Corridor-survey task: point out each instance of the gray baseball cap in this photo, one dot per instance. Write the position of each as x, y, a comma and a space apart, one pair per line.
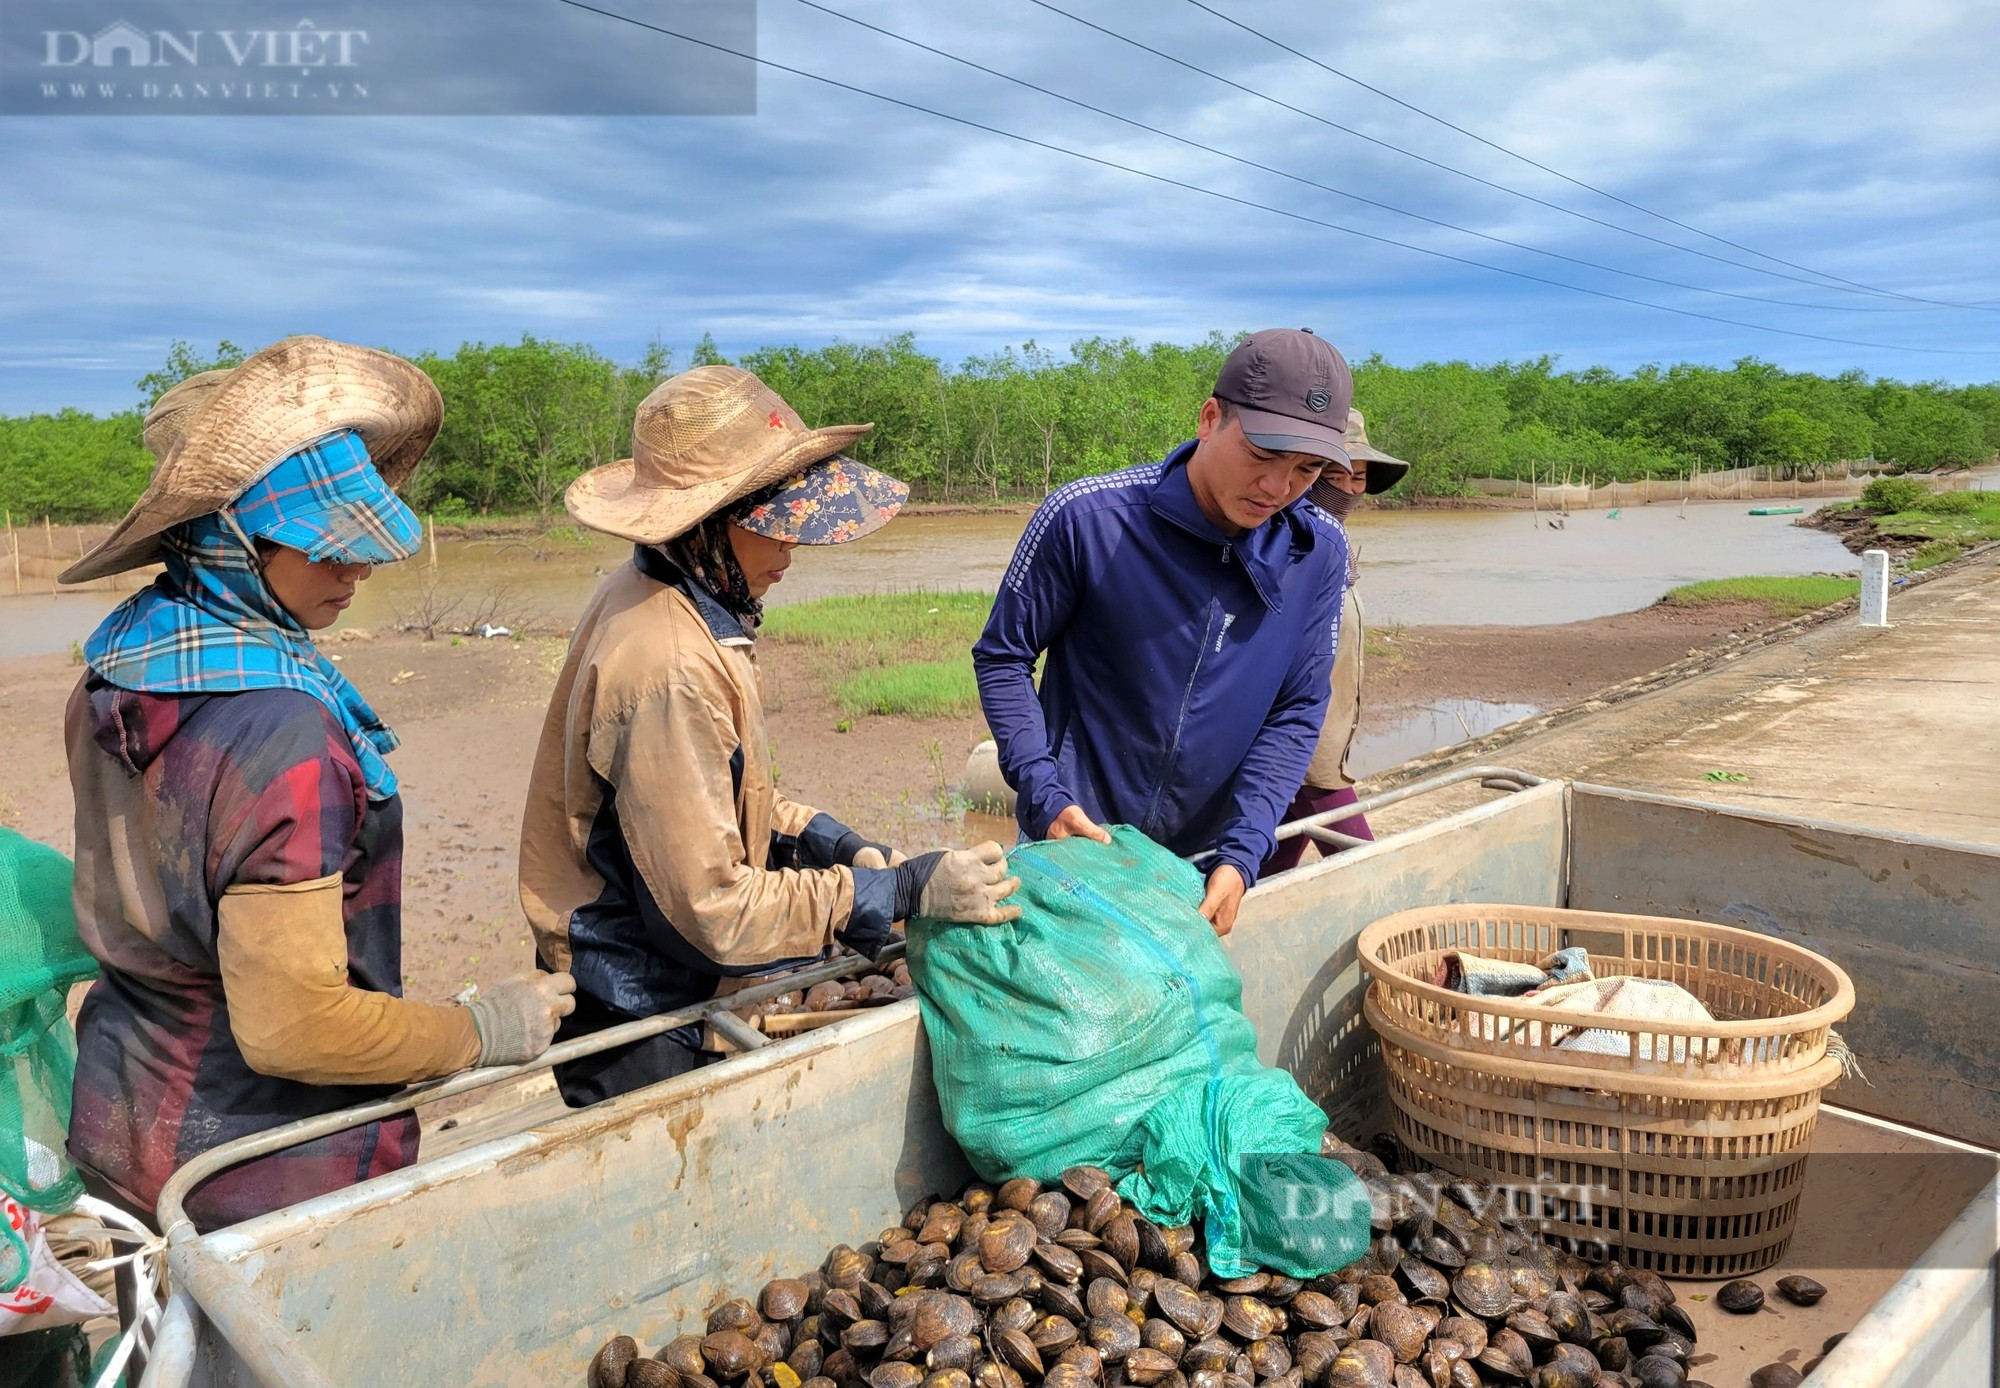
1291, 391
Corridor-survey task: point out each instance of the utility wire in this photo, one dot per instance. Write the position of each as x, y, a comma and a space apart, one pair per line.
1558, 173
1462, 173
1220, 196
1342, 192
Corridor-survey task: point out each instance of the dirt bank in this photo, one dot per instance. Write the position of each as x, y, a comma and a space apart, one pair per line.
1856, 530
469, 714
1546, 665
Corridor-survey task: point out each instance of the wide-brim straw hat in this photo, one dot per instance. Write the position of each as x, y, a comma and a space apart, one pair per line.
291, 394
176, 408
1384, 471
701, 441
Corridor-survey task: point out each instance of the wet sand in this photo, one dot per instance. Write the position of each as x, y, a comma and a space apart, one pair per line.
470, 713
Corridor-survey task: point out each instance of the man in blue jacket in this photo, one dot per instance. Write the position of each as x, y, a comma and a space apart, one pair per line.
1189, 610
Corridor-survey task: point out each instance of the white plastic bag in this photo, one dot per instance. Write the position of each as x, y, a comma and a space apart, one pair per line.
1634, 1000
48, 1295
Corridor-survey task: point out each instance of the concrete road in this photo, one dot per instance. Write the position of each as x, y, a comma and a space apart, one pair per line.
1895, 729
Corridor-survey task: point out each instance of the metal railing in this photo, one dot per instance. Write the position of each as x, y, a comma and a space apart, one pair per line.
1315, 827
246, 1319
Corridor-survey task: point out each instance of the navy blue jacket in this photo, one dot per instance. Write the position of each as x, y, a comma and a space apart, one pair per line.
1187, 672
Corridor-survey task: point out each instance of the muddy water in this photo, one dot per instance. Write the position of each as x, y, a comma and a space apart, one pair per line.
1484, 568
1381, 744
1421, 567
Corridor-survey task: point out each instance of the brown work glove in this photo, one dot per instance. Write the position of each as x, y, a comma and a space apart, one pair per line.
969, 886
517, 1018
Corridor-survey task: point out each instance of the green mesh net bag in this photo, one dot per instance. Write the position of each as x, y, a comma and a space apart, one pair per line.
1106, 1027
40, 957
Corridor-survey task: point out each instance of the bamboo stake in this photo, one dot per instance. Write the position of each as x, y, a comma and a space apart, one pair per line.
14, 548
49, 543
434, 540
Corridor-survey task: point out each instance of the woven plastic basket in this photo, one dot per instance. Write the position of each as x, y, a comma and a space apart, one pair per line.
1685, 1154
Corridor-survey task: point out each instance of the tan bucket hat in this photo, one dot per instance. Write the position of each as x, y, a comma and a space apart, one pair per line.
235, 430
175, 410
1384, 471
701, 440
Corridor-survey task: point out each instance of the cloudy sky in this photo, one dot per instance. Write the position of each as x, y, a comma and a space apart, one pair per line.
1857, 140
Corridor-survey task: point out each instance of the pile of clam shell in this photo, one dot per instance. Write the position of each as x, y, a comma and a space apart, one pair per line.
1067, 1286
843, 994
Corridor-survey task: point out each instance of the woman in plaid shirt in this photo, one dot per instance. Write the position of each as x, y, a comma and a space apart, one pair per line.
238, 829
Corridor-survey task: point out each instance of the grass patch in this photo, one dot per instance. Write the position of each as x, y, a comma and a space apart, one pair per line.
1379, 643
1906, 509
1786, 597
890, 654
1967, 517
891, 626
1931, 553
914, 689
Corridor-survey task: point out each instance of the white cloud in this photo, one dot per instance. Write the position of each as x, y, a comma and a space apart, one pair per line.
1848, 135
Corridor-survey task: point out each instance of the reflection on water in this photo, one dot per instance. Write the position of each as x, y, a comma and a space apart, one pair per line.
1416, 731
1420, 568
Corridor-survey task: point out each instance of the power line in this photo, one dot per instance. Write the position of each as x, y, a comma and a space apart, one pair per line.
1341, 192
1567, 178
1454, 170
1248, 202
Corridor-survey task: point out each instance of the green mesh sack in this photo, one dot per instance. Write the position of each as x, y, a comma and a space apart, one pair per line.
1106, 1027
40, 957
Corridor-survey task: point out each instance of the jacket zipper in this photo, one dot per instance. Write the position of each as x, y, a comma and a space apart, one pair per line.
1187, 697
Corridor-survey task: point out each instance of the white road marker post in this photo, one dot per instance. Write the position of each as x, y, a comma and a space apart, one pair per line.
1875, 588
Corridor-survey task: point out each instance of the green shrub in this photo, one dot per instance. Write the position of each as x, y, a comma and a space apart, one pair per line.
1951, 504
1887, 495
522, 419
71, 466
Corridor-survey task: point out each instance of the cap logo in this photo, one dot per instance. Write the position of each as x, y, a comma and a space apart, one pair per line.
775, 422
1317, 401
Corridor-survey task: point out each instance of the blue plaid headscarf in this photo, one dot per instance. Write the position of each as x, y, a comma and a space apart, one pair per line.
211, 624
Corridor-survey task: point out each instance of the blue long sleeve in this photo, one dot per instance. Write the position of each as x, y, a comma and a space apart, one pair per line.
1031, 610
1186, 671
1276, 762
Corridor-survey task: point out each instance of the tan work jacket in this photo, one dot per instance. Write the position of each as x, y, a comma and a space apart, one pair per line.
1328, 768
647, 839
